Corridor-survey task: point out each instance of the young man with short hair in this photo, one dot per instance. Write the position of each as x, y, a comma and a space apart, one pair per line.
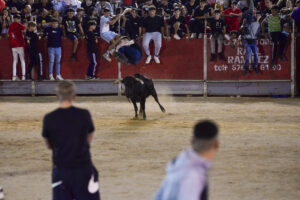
218, 29
153, 26
68, 131
72, 27
54, 35
17, 44
178, 26
109, 36
35, 55
91, 50
251, 30
275, 32
186, 177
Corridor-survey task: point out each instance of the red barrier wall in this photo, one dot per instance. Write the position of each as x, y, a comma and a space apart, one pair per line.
179, 60
232, 67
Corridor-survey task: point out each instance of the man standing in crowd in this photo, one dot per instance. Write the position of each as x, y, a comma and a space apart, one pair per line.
134, 25
91, 50
296, 15
251, 30
275, 32
54, 34
232, 17
153, 28
35, 55
68, 131
178, 26
71, 26
218, 29
202, 12
17, 44
186, 177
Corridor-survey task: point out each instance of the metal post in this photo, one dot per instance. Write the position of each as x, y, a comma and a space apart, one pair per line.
205, 61
32, 88
119, 67
293, 61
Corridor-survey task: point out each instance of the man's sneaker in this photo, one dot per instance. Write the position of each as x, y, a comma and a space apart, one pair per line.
28, 77
15, 78
156, 59
106, 56
23, 78
176, 37
246, 70
148, 59
40, 78
255, 69
59, 77
87, 77
273, 62
1, 193
220, 56
51, 77
95, 78
212, 57
73, 58
200, 36
193, 35
283, 58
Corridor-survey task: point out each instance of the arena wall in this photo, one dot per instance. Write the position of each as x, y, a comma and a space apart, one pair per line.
184, 69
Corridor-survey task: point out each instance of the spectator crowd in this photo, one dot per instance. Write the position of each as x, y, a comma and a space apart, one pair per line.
233, 20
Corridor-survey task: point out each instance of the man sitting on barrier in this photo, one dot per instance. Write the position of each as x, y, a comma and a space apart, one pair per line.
109, 36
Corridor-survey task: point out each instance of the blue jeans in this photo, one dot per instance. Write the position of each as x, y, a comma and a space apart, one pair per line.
133, 55
251, 47
54, 55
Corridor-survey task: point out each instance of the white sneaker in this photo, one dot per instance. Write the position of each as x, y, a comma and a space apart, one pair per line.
193, 35
200, 36
148, 59
51, 78
176, 37
106, 56
1, 193
156, 59
59, 77
15, 78
23, 78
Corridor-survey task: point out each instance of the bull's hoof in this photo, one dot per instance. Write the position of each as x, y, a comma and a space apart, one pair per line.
163, 109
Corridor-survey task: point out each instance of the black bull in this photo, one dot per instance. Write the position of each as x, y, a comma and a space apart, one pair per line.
137, 89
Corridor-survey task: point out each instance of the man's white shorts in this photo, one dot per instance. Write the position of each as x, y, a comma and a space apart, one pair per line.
108, 36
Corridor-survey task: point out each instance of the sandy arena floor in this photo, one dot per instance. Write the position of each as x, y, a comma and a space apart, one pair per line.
258, 158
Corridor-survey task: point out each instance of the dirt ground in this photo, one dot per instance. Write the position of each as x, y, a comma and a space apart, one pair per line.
258, 157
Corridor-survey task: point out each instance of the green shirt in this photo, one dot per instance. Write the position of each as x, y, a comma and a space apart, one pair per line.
274, 24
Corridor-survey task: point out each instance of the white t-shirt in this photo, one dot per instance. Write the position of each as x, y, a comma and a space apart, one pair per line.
104, 26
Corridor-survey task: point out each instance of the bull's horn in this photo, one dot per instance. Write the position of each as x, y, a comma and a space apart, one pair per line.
118, 81
139, 80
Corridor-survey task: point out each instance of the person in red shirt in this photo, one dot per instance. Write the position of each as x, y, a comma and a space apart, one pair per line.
17, 44
231, 16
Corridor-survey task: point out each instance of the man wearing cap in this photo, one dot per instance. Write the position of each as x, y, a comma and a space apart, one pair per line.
186, 177
153, 28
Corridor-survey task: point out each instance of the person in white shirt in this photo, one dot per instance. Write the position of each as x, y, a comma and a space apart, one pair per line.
109, 36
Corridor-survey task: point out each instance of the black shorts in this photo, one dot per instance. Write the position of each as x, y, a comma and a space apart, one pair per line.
79, 184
